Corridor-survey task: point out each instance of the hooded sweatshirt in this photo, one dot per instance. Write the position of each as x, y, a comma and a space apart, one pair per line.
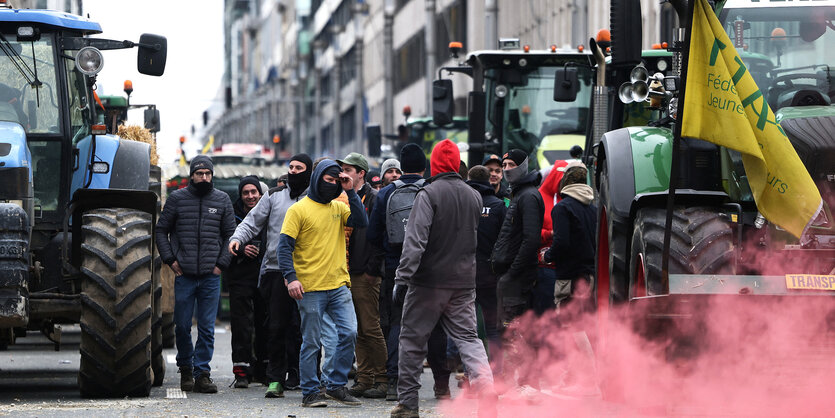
516, 250
572, 250
311, 248
548, 190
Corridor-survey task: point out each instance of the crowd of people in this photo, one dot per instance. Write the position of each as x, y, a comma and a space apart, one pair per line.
339, 266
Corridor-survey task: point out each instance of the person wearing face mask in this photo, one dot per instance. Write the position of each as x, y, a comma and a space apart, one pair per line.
246, 307
192, 232
282, 312
311, 255
515, 253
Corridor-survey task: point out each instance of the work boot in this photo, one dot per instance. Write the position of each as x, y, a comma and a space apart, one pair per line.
203, 384
342, 396
391, 393
359, 388
441, 392
241, 377
274, 391
186, 379
402, 411
377, 391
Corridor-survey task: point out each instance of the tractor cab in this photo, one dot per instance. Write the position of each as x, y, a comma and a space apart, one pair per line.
536, 101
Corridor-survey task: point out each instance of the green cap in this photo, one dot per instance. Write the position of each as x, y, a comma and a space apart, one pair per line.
355, 159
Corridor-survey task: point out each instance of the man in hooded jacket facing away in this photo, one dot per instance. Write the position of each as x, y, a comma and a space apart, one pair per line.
439, 266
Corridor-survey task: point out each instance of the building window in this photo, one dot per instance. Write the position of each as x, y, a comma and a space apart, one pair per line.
450, 26
400, 4
348, 67
347, 127
409, 62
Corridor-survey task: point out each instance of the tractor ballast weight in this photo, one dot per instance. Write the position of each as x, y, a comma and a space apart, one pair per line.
76, 213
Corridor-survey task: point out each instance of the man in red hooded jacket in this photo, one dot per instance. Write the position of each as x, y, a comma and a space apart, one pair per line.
438, 265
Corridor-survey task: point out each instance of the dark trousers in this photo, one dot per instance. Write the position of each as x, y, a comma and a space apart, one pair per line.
249, 324
371, 346
543, 292
283, 325
485, 298
436, 354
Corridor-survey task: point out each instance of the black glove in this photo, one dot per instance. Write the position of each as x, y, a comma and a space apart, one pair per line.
398, 294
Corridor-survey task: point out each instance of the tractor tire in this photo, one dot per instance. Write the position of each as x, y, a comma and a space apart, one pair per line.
157, 360
116, 308
701, 242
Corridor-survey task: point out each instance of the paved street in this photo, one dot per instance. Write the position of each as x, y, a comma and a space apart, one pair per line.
35, 380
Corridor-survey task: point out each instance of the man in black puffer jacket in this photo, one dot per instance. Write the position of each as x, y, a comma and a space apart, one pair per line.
192, 234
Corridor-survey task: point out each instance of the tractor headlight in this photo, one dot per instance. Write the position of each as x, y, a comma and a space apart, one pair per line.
101, 167
501, 91
89, 61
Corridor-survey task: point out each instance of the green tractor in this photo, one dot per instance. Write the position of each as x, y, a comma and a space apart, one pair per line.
719, 238
533, 100
77, 206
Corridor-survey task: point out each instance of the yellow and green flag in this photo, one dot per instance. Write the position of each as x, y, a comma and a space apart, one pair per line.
723, 105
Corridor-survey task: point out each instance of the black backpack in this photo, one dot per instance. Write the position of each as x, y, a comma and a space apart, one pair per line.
398, 208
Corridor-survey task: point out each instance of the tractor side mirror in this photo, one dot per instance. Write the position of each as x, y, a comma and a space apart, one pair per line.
566, 84
152, 119
153, 50
443, 105
375, 139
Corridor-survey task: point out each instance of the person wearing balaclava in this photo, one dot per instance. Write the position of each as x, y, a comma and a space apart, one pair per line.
439, 267
514, 256
279, 371
311, 254
191, 234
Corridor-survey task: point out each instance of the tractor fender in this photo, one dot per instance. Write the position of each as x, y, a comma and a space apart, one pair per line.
128, 164
684, 197
616, 154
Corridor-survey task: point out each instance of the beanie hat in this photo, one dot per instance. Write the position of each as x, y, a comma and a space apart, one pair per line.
389, 164
303, 158
413, 160
201, 162
445, 158
516, 155
479, 173
253, 180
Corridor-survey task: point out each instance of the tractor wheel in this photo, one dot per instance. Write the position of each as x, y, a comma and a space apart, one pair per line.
157, 360
701, 242
116, 309
611, 281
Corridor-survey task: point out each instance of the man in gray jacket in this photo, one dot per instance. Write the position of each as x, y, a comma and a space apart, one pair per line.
282, 318
438, 265
191, 235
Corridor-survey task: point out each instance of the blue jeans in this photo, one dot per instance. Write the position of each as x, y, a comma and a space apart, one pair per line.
337, 303
330, 339
204, 291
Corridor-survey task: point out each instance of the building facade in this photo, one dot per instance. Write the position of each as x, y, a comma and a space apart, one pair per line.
311, 74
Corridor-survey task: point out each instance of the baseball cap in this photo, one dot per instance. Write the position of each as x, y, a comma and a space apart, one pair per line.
491, 158
355, 159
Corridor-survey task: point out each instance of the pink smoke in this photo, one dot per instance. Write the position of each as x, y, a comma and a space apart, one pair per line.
738, 355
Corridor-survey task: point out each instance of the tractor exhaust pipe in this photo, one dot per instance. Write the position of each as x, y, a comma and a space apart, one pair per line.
601, 94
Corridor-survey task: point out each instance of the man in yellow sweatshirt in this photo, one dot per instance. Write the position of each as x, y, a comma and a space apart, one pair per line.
311, 254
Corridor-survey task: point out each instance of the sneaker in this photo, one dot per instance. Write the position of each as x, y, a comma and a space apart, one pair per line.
442, 393
274, 391
342, 396
402, 411
359, 388
314, 400
377, 391
186, 379
391, 393
241, 377
203, 384
525, 394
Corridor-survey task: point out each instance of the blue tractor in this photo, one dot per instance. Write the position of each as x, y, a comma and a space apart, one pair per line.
77, 206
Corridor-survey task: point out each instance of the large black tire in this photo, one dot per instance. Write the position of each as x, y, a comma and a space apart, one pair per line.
157, 359
701, 242
116, 309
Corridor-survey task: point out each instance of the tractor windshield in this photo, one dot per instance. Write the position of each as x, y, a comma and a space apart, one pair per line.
522, 112
788, 51
425, 133
28, 93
